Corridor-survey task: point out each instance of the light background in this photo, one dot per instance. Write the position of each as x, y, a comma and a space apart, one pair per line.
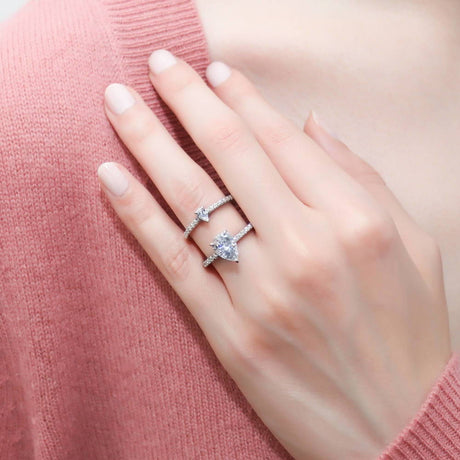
8, 7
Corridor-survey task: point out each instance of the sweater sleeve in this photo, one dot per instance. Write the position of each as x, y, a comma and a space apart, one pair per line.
434, 432
99, 358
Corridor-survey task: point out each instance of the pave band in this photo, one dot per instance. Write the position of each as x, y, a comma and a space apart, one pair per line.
202, 214
225, 245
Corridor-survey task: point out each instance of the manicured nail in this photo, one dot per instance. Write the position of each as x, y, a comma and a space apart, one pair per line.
160, 60
217, 72
320, 123
118, 98
112, 177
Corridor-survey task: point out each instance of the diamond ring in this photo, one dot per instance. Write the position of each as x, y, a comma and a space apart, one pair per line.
202, 214
225, 246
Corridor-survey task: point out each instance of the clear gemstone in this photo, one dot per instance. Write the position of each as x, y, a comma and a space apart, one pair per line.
225, 246
202, 214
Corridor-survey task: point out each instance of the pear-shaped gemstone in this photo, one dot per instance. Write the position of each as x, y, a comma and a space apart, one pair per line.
202, 214
225, 246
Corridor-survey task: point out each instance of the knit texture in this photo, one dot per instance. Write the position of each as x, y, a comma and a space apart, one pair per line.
99, 358
434, 432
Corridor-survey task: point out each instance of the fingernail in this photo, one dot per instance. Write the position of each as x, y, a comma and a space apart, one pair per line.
161, 60
217, 72
112, 177
118, 98
320, 123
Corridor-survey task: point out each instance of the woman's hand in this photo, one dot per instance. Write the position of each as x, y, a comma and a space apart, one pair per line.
334, 322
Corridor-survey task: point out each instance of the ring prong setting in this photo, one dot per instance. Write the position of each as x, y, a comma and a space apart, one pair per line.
202, 214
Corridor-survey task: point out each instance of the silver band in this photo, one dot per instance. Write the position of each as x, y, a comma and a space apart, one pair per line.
225, 245
202, 214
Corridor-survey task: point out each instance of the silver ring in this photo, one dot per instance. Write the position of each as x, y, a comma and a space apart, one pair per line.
202, 214
225, 245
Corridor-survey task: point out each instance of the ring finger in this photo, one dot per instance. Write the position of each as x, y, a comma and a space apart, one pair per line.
228, 143
182, 182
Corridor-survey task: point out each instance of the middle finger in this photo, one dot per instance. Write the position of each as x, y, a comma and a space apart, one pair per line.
182, 182
225, 139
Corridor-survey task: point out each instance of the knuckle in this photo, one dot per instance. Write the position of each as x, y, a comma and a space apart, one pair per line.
138, 126
369, 235
306, 267
136, 207
277, 317
189, 195
238, 350
314, 272
228, 134
248, 350
278, 133
176, 259
275, 307
138, 213
173, 83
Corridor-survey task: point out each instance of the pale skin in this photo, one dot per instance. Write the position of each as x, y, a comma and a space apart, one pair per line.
385, 76
334, 322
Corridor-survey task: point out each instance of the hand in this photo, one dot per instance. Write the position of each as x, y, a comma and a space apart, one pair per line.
334, 322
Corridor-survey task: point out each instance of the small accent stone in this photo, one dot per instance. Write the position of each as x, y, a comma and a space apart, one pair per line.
202, 214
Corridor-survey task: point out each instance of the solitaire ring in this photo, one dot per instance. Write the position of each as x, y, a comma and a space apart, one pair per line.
225, 246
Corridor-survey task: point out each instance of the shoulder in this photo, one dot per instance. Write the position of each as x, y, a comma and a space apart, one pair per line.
48, 52
56, 58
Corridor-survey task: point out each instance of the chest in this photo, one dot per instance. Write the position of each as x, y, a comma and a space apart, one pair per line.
385, 79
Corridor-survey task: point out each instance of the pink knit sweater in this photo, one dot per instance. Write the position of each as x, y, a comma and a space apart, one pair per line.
99, 358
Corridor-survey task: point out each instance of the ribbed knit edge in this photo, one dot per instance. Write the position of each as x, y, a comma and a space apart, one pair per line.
136, 28
434, 433
142, 26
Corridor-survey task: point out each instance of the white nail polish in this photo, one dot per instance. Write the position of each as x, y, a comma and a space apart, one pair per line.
322, 125
113, 178
161, 60
118, 98
217, 72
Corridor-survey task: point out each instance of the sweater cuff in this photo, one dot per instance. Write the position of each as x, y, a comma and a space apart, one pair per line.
434, 433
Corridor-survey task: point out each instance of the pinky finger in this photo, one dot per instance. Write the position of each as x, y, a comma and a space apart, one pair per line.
411, 234
179, 260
